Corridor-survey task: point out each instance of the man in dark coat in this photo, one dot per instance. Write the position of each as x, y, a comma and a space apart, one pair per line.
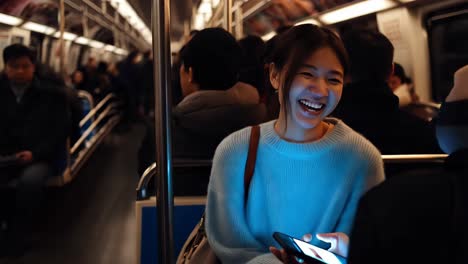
421, 217
369, 106
33, 128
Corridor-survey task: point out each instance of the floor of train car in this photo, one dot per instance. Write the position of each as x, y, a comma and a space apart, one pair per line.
92, 220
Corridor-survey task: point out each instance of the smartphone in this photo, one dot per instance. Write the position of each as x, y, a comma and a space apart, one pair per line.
307, 251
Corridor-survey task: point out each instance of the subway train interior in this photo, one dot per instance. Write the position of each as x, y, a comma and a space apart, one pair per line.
125, 174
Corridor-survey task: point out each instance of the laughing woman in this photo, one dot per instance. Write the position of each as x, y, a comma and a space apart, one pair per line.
310, 170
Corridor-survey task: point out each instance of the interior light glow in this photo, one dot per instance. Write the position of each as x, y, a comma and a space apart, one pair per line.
96, 44
308, 21
39, 28
356, 10
268, 36
126, 10
204, 7
199, 22
82, 40
66, 35
110, 48
120, 51
215, 3
9, 20
406, 1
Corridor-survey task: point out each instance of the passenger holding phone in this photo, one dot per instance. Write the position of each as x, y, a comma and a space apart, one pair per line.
310, 170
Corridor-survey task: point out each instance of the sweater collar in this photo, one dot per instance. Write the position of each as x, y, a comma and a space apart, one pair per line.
305, 150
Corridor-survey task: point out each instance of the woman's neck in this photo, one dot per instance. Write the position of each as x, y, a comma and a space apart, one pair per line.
292, 133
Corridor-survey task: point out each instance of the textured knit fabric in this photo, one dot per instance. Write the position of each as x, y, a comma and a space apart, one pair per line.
296, 189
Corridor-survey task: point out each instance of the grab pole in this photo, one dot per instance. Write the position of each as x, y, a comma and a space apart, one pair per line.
165, 201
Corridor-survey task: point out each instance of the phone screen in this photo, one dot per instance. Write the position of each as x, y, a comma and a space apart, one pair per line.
303, 249
309, 249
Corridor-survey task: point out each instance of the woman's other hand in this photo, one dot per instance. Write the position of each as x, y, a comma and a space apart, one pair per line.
339, 242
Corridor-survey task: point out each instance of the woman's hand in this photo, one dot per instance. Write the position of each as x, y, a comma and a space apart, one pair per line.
339, 242
289, 259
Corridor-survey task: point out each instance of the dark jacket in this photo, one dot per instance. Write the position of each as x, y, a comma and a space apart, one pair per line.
415, 218
200, 123
38, 123
370, 108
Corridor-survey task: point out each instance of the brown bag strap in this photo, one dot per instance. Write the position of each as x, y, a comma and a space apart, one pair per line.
251, 158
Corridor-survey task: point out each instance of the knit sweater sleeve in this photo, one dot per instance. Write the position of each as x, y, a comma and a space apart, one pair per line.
370, 174
226, 227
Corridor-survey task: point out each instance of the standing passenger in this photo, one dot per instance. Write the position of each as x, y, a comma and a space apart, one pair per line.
310, 171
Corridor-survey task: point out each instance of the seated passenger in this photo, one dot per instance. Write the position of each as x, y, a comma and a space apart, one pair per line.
214, 103
402, 86
252, 71
369, 106
310, 170
33, 116
421, 217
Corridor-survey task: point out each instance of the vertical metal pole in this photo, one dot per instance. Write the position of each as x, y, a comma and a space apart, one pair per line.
61, 41
165, 202
239, 23
228, 15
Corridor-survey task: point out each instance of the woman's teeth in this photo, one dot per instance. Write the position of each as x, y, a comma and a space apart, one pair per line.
311, 105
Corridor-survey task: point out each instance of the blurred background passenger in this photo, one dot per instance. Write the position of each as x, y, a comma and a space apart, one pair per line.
368, 104
214, 104
77, 80
33, 130
89, 71
402, 86
426, 221
252, 73
103, 86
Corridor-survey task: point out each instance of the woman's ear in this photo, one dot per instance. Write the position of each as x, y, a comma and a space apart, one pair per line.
274, 76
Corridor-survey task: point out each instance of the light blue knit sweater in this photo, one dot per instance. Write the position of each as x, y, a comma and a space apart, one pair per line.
296, 189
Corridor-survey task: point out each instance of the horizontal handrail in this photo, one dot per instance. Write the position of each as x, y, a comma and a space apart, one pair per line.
413, 158
144, 180
185, 163
88, 96
107, 112
103, 131
95, 109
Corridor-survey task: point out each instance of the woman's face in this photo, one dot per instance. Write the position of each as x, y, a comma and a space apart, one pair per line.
315, 90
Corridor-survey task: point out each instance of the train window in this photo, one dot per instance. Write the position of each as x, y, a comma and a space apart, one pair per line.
448, 44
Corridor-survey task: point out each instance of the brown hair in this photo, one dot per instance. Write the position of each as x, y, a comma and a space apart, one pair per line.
297, 44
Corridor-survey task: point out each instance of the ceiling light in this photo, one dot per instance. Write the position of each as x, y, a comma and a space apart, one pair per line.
39, 28
82, 40
9, 20
356, 10
66, 35
110, 48
96, 44
126, 10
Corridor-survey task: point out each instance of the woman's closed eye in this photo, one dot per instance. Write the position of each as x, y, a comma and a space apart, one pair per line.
334, 81
307, 75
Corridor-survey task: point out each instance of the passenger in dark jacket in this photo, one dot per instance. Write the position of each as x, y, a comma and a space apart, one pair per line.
215, 104
369, 106
421, 217
33, 116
